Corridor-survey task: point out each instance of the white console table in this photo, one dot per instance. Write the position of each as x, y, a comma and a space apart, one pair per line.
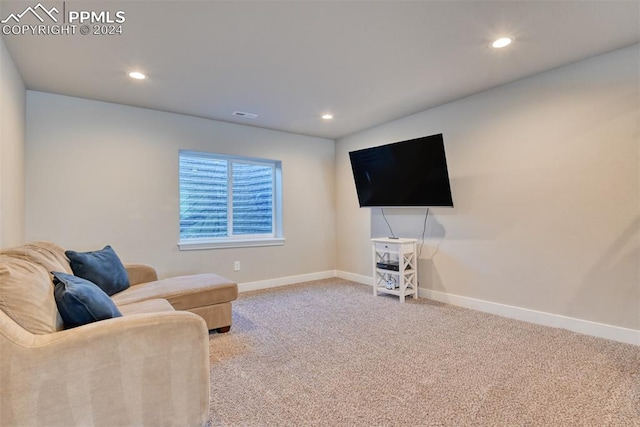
395, 267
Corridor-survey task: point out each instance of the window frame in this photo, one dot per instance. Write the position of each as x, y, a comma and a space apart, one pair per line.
275, 238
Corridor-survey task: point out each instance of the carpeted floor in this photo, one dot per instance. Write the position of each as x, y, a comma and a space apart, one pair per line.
329, 353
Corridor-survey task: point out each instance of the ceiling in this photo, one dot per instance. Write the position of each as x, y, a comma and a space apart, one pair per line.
366, 62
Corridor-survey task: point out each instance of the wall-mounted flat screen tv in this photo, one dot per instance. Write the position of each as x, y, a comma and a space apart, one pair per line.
403, 174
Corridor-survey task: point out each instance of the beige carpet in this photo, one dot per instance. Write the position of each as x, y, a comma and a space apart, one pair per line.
329, 353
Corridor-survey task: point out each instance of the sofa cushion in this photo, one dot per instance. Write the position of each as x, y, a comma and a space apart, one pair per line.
26, 295
183, 292
47, 254
102, 267
81, 301
147, 306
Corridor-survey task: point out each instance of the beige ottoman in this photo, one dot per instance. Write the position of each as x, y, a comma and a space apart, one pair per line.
207, 295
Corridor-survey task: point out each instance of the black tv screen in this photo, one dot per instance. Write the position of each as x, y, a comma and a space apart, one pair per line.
403, 174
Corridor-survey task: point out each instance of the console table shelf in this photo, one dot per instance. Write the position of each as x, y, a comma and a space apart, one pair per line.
395, 267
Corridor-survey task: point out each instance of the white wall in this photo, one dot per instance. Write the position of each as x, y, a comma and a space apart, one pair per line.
12, 143
101, 173
546, 186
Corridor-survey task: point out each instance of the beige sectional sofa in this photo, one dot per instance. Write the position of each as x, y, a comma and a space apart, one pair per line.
148, 367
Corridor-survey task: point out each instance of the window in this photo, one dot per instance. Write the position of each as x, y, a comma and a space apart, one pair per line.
229, 201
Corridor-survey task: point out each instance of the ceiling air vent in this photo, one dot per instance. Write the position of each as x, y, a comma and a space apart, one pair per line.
245, 115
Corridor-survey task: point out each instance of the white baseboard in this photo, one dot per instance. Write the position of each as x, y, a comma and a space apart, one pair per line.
283, 281
358, 278
601, 330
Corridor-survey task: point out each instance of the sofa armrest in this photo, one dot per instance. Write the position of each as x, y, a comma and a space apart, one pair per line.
145, 369
140, 273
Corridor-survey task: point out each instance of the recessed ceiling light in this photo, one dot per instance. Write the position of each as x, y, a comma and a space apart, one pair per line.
137, 75
327, 116
501, 42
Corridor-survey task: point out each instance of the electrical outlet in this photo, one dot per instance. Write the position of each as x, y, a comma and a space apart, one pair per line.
236, 266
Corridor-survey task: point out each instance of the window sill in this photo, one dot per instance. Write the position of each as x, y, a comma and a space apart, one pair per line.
229, 243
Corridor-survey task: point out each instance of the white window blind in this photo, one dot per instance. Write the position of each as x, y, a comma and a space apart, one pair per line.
225, 198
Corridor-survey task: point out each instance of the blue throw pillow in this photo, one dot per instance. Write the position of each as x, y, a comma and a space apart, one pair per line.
80, 302
102, 267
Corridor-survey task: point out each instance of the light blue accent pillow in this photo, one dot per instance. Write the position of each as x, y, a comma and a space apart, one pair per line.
102, 267
80, 302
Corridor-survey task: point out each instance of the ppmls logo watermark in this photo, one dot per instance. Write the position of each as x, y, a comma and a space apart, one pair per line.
63, 19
